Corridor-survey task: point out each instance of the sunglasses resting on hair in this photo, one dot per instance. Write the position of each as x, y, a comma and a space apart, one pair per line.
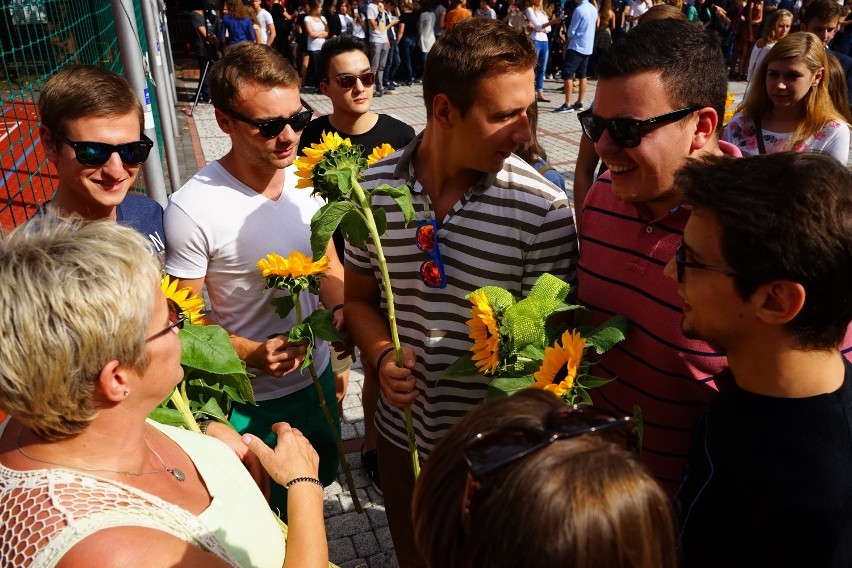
98, 153
627, 132
489, 451
273, 127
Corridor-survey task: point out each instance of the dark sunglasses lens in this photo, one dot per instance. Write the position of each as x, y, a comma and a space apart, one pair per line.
426, 237
625, 133
92, 153
346, 81
368, 79
134, 153
271, 128
568, 420
491, 450
299, 121
592, 127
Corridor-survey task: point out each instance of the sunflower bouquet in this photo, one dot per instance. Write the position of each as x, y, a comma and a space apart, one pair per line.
214, 376
296, 274
514, 344
333, 169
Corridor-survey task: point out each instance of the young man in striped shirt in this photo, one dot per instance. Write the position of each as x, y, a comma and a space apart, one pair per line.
497, 221
633, 220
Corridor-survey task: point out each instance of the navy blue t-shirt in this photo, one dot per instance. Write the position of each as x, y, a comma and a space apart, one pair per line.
146, 216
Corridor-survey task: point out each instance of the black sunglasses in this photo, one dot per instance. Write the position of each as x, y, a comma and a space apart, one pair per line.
682, 264
347, 80
273, 127
431, 271
98, 153
494, 449
176, 319
627, 132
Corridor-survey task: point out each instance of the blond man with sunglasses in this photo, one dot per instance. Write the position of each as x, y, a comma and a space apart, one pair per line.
234, 212
92, 132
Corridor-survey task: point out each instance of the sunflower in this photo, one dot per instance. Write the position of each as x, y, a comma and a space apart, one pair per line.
485, 334
559, 368
315, 154
191, 304
730, 109
296, 265
380, 152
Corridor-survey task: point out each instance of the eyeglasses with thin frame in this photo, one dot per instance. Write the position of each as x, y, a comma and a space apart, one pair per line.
627, 132
431, 271
176, 320
489, 451
95, 154
682, 264
274, 126
347, 80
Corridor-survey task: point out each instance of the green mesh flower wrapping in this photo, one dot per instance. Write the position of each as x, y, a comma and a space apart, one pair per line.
525, 320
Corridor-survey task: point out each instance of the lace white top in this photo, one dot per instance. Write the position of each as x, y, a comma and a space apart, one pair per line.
45, 512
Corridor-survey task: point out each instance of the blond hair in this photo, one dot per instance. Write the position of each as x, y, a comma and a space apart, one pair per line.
248, 62
81, 91
75, 296
819, 108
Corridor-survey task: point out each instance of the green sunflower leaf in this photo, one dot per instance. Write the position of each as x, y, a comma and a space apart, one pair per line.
402, 196
462, 367
354, 229
283, 305
323, 224
501, 387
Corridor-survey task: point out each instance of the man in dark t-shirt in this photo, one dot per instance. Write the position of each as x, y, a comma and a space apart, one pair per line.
764, 270
346, 79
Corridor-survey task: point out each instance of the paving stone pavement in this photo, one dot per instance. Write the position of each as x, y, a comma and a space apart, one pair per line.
363, 540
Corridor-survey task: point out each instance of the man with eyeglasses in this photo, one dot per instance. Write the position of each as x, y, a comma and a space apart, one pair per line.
233, 213
763, 270
348, 82
482, 216
91, 131
659, 101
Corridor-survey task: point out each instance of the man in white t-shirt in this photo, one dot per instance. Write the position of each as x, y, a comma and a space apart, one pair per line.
234, 212
267, 28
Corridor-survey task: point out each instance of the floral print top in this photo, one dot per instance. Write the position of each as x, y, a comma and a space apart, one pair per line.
832, 139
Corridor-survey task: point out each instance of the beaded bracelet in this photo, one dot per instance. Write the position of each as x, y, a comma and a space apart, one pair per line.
204, 425
296, 480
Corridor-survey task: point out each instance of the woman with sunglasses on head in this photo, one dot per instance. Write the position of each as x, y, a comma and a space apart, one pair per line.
789, 106
85, 478
527, 481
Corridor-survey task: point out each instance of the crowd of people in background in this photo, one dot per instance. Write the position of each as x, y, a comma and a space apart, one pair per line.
726, 245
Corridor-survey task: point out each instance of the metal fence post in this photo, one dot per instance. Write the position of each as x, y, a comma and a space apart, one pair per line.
134, 72
168, 119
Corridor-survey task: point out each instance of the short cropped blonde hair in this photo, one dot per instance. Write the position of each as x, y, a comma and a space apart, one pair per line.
73, 296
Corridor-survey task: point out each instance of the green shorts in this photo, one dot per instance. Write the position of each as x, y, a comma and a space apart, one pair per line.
302, 411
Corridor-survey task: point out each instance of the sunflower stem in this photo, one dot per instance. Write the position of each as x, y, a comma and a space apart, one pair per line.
179, 400
367, 210
347, 472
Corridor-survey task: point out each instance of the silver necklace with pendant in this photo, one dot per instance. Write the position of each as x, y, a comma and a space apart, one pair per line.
175, 472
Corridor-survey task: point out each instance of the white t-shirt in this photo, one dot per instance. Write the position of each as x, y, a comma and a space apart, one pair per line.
378, 34
264, 18
538, 19
219, 228
316, 25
